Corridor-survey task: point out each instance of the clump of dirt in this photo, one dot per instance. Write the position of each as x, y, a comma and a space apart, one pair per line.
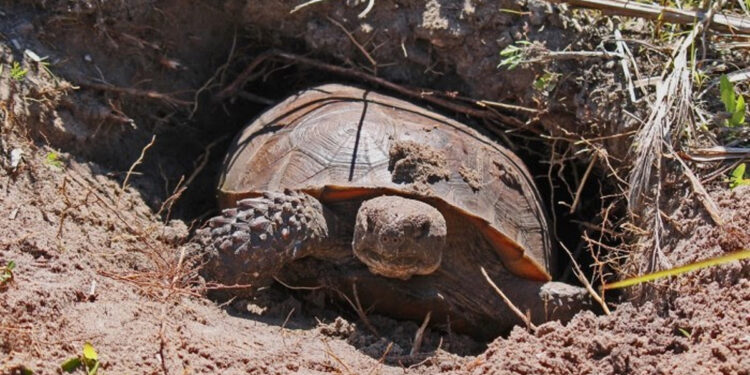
698, 325
703, 333
412, 162
471, 177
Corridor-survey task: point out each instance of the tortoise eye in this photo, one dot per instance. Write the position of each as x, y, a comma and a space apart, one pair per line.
424, 230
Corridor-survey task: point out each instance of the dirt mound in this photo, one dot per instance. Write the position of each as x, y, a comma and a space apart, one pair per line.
698, 325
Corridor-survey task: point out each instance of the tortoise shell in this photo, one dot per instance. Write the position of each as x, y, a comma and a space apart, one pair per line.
318, 142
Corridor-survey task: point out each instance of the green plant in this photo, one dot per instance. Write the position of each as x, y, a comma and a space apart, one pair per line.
734, 104
513, 55
738, 177
89, 359
53, 159
17, 72
684, 332
6, 273
546, 82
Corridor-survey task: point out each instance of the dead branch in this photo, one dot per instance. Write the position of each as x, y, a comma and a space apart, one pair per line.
529, 325
545, 55
482, 112
580, 276
719, 22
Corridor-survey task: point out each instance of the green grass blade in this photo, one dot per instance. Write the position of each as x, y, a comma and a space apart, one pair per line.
726, 90
71, 364
744, 254
738, 116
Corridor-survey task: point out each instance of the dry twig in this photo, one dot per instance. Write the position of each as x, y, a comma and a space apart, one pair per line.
516, 310
582, 278
354, 40
420, 334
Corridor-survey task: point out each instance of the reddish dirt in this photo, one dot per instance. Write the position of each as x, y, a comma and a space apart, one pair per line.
697, 323
413, 162
113, 245
64, 230
97, 263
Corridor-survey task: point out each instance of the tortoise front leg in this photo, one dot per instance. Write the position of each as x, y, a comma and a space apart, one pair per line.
250, 243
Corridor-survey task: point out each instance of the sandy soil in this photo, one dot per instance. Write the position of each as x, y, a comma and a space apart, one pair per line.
89, 271
103, 264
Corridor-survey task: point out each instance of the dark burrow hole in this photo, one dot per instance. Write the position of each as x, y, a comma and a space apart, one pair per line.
558, 189
181, 147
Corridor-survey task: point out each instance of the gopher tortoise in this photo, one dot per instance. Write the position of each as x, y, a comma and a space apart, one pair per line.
360, 193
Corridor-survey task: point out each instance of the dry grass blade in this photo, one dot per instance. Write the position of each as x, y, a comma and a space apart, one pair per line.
703, 196
508, 302
721, 22
717, 153
382, 359
740, 255
335, 357
305, 4
670, 107
585, 177
358, 309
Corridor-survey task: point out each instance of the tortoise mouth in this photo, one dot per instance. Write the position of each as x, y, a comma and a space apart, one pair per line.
403, 267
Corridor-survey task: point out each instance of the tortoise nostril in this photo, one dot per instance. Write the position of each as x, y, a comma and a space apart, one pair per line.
370, 224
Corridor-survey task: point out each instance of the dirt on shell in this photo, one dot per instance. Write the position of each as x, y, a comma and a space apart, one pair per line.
471, 177
412, 162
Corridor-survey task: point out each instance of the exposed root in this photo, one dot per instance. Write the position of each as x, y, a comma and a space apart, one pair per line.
149, 94
482, 112
132, 168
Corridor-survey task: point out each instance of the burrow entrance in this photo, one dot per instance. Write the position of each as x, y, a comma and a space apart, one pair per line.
193, 52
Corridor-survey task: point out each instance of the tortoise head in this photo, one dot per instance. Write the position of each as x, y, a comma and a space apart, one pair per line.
399, 237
